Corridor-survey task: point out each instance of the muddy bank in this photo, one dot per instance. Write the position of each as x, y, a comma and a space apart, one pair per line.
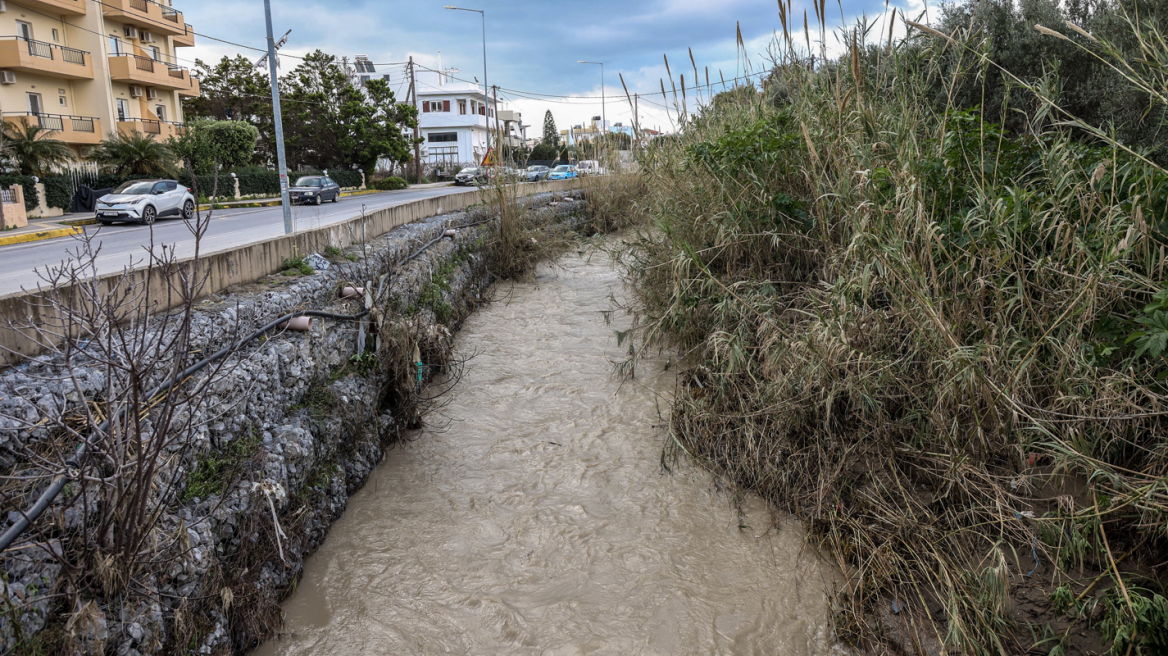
294, 424
532, 515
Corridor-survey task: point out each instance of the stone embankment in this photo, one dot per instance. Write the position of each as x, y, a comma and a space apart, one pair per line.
292, 424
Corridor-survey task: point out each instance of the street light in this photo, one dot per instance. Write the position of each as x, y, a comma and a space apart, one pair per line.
603, 113
276, 116
486, 89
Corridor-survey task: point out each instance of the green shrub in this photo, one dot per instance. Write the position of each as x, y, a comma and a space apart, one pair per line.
347, 178
390, 184
30, 192
259, 182
58, 191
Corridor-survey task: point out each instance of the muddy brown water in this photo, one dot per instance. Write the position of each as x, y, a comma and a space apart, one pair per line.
534, 517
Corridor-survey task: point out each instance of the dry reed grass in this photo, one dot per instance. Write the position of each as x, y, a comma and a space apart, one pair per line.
934, 342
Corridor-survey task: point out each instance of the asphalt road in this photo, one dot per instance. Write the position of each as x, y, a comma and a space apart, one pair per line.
125, 245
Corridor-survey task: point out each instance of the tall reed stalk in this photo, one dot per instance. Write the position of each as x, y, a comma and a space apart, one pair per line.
940, 344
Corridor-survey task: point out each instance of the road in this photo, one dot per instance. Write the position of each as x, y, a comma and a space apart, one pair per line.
125, 245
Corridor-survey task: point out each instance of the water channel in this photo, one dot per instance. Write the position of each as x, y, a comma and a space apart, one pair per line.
534, 517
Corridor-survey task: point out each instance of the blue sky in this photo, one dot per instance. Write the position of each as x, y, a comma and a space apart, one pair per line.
532, 45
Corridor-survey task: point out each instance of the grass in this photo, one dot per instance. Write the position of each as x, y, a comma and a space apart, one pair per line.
296, 266
214, 472
941, 345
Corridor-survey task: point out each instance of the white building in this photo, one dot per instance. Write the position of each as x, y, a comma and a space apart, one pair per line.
454, 117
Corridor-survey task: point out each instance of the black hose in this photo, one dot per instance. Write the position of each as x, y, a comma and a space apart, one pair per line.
50, 494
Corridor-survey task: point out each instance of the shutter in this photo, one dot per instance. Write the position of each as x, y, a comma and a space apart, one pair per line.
425, 106
446, 105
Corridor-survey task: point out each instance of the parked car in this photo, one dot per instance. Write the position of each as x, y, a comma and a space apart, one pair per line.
142, 201
314, 189
510, 174
535, 173
563, 172
471, 175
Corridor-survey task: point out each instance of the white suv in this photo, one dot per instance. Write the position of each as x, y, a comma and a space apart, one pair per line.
142, 201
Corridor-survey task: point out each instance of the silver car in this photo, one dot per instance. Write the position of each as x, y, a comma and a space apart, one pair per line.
142, 201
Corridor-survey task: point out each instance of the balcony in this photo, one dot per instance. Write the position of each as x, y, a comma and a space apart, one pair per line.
20, 54
57, 7
161, 130
78, 130
151, 73
146, 15
185, 40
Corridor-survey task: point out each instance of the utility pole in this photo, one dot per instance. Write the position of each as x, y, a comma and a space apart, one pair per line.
637, 117
284, 202
498, 134
417, 136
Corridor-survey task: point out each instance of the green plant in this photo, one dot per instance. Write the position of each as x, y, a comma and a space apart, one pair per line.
296, 266
390, 184
134, 153
215, 471
33, 148
1134, 617
331, 251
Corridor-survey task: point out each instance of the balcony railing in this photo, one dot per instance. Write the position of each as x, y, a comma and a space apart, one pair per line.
67, 128
52, 51
170, 14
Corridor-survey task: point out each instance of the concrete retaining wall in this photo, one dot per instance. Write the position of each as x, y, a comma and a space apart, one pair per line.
243, 265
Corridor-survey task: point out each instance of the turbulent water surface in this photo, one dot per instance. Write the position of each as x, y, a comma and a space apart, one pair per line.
534, 516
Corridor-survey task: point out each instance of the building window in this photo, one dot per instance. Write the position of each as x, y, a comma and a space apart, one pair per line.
56, 35
61, 99
462, 107
442, 137
446, 105
115, 45
155, 54
161, 112
123, 109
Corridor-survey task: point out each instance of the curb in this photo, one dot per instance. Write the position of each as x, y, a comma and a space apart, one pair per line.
277, 203
79, 222
38, 236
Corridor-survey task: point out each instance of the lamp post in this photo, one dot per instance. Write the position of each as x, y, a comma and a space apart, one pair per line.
603, 113
279, 121
486, 89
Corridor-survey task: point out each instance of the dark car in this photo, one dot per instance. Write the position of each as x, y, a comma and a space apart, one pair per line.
471, 175
314, 189
536, 173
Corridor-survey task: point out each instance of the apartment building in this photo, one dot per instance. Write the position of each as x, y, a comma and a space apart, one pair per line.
87, 68
454, 117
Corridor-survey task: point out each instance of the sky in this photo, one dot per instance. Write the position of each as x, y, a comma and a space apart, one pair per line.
533, 45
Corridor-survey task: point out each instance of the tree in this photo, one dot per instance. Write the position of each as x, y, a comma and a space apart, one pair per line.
134, 153
331, 123
235, 90
33, 149
551, 135
544, 152
207, 143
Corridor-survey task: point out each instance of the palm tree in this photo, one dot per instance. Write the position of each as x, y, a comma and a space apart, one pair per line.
134, 153
32, 148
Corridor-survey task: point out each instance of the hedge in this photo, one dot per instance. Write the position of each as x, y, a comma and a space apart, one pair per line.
58, 191
259, 183
30, 190
389, 184
347, 178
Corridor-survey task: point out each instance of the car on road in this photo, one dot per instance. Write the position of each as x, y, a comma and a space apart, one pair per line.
471, 175
314, 189
535, 173
142, 201
563, 172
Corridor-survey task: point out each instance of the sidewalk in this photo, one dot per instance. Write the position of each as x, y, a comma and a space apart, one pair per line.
38, 229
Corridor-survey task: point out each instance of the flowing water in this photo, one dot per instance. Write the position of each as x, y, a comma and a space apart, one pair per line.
535, 517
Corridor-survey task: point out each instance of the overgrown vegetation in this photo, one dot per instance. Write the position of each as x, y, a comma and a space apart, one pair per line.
296, 266
937, 340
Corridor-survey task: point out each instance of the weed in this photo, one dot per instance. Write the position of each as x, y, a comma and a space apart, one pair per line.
214, 472
296, 266
331, 251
